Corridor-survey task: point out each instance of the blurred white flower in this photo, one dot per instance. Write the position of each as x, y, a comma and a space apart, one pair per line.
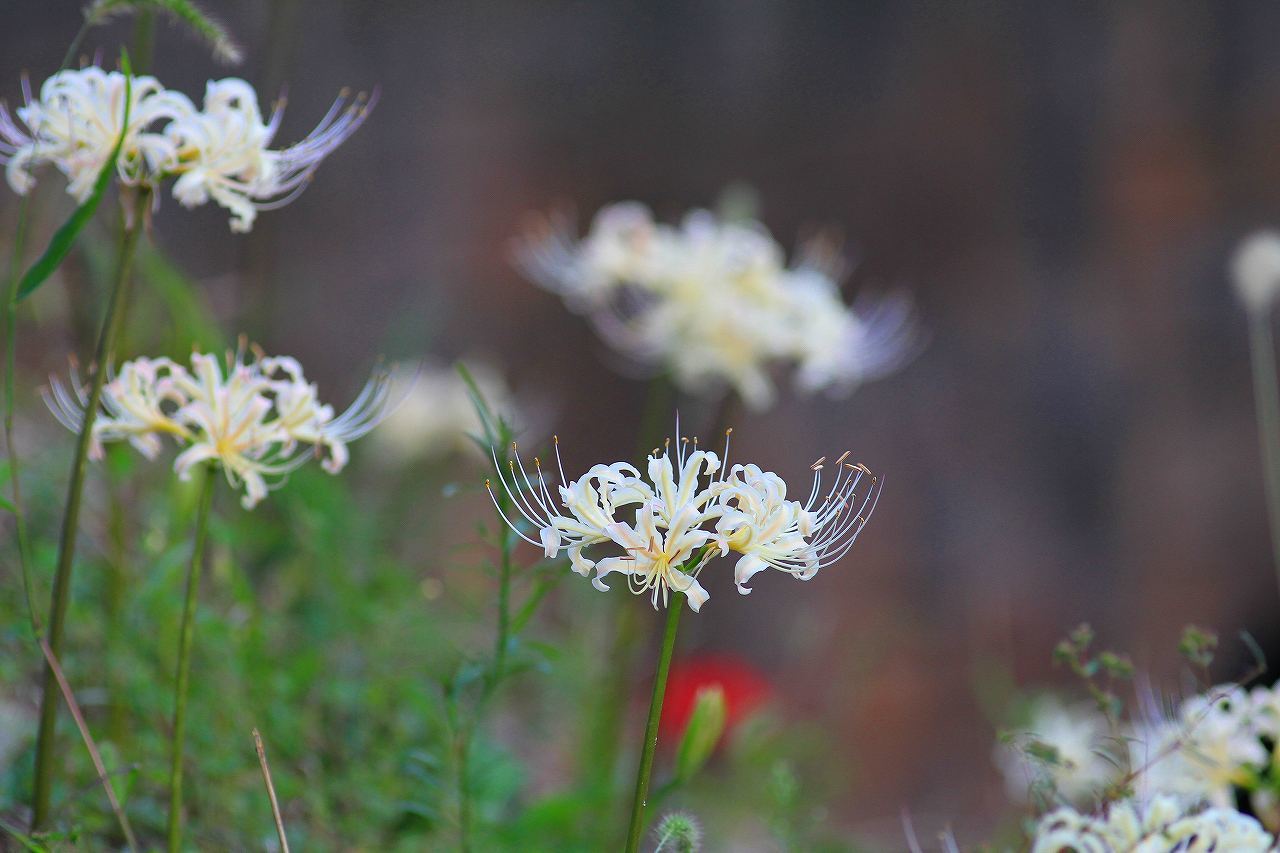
224, 151
687, 509
221, 152
1255, 270
1078, 768
1164, 825
75, 123
715, 302
435, 417
1205, 752
256, 418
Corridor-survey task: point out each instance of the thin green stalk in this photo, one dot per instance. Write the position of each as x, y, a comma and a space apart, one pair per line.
10, 369
1266, 393
144, 38
111, 323
183, 677
643, 773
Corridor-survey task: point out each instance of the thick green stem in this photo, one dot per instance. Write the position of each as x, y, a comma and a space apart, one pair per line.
103, 354
10, 372
643, 773
183, 677
1266, 394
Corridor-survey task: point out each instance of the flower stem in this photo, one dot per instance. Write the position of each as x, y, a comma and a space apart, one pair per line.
1266, 394
111, 324
639, 802
10, 369
183, 677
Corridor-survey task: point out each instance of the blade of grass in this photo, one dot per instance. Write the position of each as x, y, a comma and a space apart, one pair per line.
94, 754
271, 791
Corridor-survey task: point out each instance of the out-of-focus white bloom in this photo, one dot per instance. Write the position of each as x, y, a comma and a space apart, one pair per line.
1164, 825
1205, 752
687, 508
1255, 270
221, 152
1080, 739
434, 415
715, 302
256, 418
76, 122
224, 151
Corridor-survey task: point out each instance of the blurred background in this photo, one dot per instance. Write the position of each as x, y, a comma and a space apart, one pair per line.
1059, 187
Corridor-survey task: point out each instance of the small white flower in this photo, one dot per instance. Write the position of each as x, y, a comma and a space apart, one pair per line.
686, 510
714, 303
1079, 736
256, 419
435, 416
1255, 270
76, 123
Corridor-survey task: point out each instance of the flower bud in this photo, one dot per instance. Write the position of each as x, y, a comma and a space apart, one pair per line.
706, 725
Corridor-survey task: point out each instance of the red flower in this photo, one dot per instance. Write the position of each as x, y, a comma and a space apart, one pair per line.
745, 690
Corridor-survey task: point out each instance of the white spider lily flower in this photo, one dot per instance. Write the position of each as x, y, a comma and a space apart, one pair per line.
687, 510
224, 152
139, 404
714, 303
769, 531
76, 122
1163, 825
1205, 752
657, 559
257, 419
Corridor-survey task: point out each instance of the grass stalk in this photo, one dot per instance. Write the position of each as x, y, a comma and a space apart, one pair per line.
111, 324
1266, 392
183, 677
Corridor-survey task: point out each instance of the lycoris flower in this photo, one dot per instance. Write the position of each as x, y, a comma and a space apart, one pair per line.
75, 123
666, 526
255, 418
221, 152
715, 302
1162, 825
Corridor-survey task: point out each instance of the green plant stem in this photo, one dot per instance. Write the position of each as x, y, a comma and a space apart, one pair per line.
144, 38
10, 372
183, 677
111, 324
640, 800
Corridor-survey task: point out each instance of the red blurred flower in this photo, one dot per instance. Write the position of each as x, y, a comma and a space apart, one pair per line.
745, 690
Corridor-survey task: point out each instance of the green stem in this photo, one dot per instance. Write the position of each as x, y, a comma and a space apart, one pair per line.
144, 37
1266, 394
640, 800
10, 370
183, 676
103, 354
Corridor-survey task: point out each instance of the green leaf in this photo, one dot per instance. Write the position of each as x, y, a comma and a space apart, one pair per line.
8, 505
65, 237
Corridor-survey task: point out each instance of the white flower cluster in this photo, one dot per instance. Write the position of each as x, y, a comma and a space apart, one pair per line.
1165, 824
1064, 749
258, 419
220, 152
715, 302
435, 416
687, 507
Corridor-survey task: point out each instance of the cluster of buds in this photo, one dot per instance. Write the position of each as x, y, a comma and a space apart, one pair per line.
221, 151
715, 302
687, 508
254, 416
